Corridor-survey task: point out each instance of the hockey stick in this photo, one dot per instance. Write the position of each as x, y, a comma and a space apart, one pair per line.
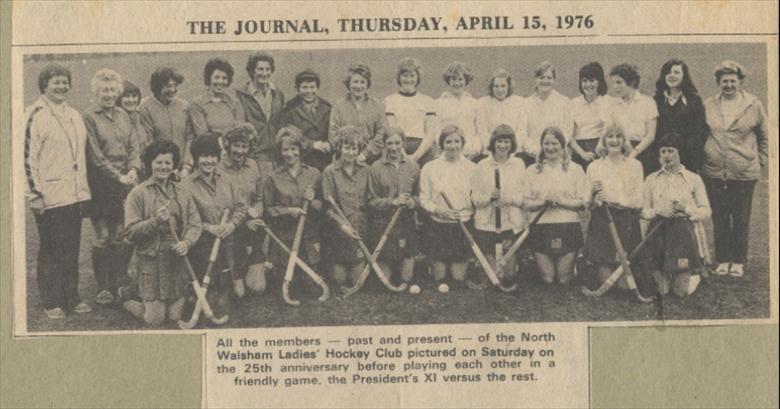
288, 274
300, 263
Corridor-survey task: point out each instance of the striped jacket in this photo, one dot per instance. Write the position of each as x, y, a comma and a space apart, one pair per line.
55, 155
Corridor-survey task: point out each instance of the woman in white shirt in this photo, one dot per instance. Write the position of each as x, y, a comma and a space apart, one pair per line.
590, 114
448, 174
636, 113
560, 184
501, 107
617, 181
497, 194
413, 112
458, 107
545, 108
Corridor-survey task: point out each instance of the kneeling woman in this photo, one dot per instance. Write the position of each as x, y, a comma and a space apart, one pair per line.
152, 209
292, 184
392, 184
497, 193
677, 198
346, 181
448, 175
561, 184
617, 182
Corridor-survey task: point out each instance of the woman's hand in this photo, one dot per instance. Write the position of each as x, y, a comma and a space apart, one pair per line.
308, 194
450, 214
181, 248
252, 225
495, 194
163, 214
349, 231
295, 211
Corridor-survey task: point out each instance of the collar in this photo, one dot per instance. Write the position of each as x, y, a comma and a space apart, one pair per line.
449, 94
338, 164
230, 164
671, 100
101, 110
383, 160
680, 171
56, 109
407, 94
365, 99
250, 87
282, 169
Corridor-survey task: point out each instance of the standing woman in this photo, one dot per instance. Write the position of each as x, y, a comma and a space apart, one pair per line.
55, 165
450, 174
130, 100
151, 209
506, 199
346, 181
590, 113
617, 181
164, 116
361, 110
546, 107
113, 161
311, 114
459, 108
557, 182
635, 113
291, 184
501, 107
216, 111
680, 110
413, 112
736, 154
393, 182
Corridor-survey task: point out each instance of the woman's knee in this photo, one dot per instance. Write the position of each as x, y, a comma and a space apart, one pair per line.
154, 312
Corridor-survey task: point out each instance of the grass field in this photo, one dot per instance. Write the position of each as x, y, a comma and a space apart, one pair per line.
716, 298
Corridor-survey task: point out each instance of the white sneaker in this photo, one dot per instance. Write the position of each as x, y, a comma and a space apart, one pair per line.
737, 270
722, 270
55, 313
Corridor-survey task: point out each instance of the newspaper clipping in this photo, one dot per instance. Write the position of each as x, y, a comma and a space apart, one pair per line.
393, 204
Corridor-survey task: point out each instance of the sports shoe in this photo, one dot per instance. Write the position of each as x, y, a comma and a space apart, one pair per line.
722, 270
104, 297
737, 270
82, 308
55, 313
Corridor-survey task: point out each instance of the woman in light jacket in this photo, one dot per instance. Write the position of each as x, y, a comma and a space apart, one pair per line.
55, 166
501, 107
735, 155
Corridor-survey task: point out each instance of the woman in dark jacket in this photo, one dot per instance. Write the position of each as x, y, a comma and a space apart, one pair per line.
311, 114
681, 111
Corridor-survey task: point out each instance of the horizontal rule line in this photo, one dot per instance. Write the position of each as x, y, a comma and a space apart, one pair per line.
306, 40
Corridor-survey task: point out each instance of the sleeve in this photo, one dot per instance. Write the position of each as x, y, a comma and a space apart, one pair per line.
191, 221
33, 143
189, 136
480, 192
376, 144
336, 122
635, 194
426, 191
651, 109
95, 155
583, 185
762, 135
521, 127
329, 190
520, 182
316, 204
483, 131
226, 192
702, 210
567, 119
648, 209
532, 191
146, 123
197, 117
269, 199
375, 201
137, 228
256, 198
134, 150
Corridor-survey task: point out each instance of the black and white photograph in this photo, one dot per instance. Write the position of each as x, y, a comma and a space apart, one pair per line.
388, 185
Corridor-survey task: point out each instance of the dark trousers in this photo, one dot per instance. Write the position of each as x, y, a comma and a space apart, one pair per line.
59, 233
731, 202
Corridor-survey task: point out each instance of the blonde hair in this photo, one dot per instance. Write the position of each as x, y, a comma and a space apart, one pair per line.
557, 133
106, 76
601, 146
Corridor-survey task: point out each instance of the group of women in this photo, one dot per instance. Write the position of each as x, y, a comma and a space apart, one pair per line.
165, 178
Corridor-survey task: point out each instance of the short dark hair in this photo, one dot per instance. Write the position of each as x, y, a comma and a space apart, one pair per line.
502, 131
244, 132
217, 64
593, 71
129, 90
393, 130
350, 135
361, 70
500, 73
408, 64
205, 145
251, 63
307, 75
290, 133
161, 77
629, 73
730, 67
449, 130
50, 71
157, 148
